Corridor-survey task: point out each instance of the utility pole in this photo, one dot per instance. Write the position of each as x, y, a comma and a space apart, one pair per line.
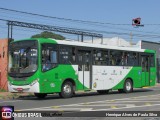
131, 36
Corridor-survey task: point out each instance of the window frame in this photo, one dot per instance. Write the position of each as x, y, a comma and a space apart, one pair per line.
69, 55
46, 46
102, 53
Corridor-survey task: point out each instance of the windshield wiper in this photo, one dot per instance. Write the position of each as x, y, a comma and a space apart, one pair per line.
20, 75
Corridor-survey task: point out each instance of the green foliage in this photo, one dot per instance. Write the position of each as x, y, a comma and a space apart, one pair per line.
47, 34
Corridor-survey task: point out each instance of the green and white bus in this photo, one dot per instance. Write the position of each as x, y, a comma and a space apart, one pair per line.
44, 66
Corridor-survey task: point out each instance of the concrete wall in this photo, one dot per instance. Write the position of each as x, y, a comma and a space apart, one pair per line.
3, 63
153, 46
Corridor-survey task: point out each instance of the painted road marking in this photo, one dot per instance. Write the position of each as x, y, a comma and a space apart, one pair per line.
113, 107
11, 101
146, 87
86, 103
86, 109
17, 110
126, 107
55, 106
64, 109
106, 105
130, 105
148, 104
114, 100
147, 98
131, 101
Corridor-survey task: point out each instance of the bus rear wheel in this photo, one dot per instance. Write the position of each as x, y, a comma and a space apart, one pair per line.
103, 91
128, 86
40, 95
66, 90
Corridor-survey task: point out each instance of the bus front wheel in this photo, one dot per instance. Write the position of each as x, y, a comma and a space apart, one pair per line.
66, 90
40, 95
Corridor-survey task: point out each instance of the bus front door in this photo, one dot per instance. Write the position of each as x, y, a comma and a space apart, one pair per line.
145, 70
84, 67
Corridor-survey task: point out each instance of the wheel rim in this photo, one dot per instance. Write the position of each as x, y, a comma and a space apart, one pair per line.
128, 86
67, 89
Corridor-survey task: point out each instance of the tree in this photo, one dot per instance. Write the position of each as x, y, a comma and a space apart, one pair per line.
47, 34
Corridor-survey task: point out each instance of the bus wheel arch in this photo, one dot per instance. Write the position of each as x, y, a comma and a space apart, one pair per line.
73, 83
128, 85
67, 88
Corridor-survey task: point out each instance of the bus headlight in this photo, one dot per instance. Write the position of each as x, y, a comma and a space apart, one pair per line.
9, 83
34, 82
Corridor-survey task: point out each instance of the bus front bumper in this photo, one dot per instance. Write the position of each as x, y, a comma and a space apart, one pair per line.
24, 88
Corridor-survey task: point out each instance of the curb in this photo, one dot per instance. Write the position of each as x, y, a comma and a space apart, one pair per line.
12, 96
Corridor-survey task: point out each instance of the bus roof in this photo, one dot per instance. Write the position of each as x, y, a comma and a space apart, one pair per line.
76, 43
94, 45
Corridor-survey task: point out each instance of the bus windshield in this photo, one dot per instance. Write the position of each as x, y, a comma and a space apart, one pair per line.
22, 58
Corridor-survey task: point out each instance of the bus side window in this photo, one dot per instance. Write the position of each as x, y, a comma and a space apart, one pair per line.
96, 57
73, 59
66, 55
53, 56
124, 59
152, 61
112, 58
136, 58
116, 57
100, 57
43, 55
131, 59
49, 56
87, 61
105, 57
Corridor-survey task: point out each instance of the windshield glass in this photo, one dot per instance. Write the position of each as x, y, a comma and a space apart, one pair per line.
23, 57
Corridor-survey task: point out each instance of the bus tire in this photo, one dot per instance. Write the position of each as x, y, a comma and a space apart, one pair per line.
40, 95
128, 86
66, 90
103, 91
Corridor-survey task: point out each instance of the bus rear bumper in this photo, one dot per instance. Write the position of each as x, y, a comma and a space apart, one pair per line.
24, 88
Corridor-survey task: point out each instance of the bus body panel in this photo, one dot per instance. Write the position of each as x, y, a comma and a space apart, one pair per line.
106, 77
52, 80
97, 78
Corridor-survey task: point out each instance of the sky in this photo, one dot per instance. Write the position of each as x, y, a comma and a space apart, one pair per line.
105, 11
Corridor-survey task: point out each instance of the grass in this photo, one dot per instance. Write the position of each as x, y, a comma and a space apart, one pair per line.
3, 90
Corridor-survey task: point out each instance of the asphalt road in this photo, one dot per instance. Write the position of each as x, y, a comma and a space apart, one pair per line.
146, 99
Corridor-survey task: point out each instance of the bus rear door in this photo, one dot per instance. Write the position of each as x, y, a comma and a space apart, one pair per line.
145, 70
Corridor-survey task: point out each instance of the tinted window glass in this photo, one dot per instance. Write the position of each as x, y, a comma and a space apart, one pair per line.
67, 54
152, 60
116, 57
130, 59
49, 56
100, 57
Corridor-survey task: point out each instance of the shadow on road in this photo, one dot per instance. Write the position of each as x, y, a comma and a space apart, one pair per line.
82, 94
